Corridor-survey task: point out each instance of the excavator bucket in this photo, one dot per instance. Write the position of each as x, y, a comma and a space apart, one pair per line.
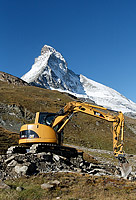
125, 169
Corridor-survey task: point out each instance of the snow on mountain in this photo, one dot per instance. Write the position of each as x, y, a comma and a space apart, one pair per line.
106, 96
50, 71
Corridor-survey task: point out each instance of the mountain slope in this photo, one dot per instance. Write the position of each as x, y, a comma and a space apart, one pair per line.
106, 96
18, 105
5, 77
50, 71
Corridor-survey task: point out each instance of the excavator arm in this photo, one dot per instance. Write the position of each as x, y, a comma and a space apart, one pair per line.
100, 112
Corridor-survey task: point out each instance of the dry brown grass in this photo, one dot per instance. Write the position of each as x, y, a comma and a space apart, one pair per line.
7, 139
72, 187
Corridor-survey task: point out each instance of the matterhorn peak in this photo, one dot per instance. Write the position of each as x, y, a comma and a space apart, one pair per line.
46, 49
50, 71
50, 50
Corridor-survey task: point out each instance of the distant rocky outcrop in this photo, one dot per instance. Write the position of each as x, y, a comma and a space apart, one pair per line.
5, 77
11, 114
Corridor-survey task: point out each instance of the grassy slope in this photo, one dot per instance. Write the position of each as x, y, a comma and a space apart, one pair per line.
7, 138
81, 130
72, 187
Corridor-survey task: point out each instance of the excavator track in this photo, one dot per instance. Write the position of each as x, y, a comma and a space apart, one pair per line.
64, 151
56, 149
17, 149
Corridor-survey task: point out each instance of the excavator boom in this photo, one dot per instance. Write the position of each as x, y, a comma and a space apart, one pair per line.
99, 112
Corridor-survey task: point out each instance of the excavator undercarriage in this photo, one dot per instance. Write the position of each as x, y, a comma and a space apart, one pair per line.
64, 151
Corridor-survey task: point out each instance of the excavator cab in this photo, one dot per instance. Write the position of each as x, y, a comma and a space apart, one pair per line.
46, 118
41, 131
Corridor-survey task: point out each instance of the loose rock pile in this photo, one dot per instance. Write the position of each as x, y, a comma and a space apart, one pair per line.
17, 165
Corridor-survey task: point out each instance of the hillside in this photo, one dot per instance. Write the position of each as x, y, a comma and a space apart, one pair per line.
8, 78
69, 186
7, 138
18, 105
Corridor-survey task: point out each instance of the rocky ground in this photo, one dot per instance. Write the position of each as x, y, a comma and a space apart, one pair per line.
67, 186
51, 176
106, 157
17, 165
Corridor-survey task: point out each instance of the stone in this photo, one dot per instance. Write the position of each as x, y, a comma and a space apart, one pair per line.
81, 164
55, 183
9, 159
47, 186
45, 156
3, 185
56, 157
19, 189
78, 170
32, 169
94, 171
133, 174
12, 163
97, 123
21, 170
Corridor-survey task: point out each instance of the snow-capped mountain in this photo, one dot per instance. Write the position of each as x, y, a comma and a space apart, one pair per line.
50, 71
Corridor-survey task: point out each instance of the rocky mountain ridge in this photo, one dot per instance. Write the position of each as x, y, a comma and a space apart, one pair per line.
50, 71
5, 77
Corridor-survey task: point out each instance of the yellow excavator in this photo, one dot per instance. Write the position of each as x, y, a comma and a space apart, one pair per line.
47, 131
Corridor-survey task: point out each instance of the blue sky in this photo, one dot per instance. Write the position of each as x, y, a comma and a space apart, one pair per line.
96, 37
